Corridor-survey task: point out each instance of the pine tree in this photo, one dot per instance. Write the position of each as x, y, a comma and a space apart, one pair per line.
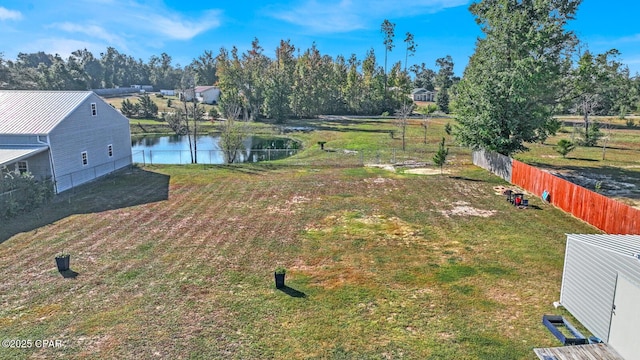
441, 156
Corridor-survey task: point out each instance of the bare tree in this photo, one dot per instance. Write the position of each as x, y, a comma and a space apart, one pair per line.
232, 132
192, 113
402, 120
426, 112
607, 137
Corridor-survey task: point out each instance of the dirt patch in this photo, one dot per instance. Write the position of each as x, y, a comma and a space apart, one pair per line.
411, 167
426, 171
462, 208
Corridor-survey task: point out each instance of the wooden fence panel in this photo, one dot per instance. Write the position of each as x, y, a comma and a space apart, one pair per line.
606, 214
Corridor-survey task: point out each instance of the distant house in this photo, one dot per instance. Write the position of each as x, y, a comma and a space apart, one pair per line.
143, 88
71, 137
422, 94
204, 94
207, 94
167, 92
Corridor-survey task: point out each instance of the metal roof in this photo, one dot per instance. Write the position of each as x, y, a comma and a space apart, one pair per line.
200, 89
621, 244
36, 112
13, 154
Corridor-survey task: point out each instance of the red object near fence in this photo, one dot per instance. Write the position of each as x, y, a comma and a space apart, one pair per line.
609, 215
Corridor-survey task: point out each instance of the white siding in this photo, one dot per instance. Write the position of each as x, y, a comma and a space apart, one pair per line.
18, 140
592, 263
81, 131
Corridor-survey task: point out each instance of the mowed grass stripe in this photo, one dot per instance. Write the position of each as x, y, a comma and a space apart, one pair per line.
385, 272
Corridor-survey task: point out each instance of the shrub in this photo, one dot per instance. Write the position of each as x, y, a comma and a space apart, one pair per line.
631, 123
447, 128
590, 137
564, 147
22, 192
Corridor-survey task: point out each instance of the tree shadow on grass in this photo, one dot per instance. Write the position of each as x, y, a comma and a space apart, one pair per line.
292, 292
249, 168
465, 178
125, 188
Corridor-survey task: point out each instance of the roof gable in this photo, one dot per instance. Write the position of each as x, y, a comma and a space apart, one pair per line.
37, 112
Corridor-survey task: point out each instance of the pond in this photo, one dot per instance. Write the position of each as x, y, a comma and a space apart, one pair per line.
174, 149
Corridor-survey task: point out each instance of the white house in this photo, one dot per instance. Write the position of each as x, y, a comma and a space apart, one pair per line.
422, 94
207, 94
601, 288
70, 137
204, 94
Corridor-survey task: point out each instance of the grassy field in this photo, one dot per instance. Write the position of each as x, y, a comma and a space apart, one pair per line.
177, 262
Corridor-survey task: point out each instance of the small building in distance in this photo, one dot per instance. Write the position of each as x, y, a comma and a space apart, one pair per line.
204, 94
422, 94
70, 137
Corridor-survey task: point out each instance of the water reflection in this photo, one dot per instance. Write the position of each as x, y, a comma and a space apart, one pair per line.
174, 149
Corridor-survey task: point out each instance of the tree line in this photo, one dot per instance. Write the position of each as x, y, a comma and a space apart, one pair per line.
526, 69
292, 83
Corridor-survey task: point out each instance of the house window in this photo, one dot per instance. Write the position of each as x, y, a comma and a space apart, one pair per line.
85, 158
94, 109
22, 167
110, 150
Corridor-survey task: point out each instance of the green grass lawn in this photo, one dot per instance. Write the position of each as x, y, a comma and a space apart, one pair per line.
177, 262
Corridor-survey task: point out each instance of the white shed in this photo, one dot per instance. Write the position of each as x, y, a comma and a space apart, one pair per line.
601, 288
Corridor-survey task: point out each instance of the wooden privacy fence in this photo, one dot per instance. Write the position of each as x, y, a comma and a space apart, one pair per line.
606, 214
611, 216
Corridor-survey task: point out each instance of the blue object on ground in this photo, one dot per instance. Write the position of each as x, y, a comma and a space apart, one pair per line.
554, 322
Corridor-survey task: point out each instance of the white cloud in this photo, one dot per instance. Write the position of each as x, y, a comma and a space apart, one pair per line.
127, 25
62, 46
93, 31
323, 18
182, 29
349, 15
6, 14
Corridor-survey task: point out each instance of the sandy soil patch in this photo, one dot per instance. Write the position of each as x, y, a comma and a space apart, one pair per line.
426, 171
462, 208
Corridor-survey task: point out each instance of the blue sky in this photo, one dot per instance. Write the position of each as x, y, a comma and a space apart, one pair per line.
184, 29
